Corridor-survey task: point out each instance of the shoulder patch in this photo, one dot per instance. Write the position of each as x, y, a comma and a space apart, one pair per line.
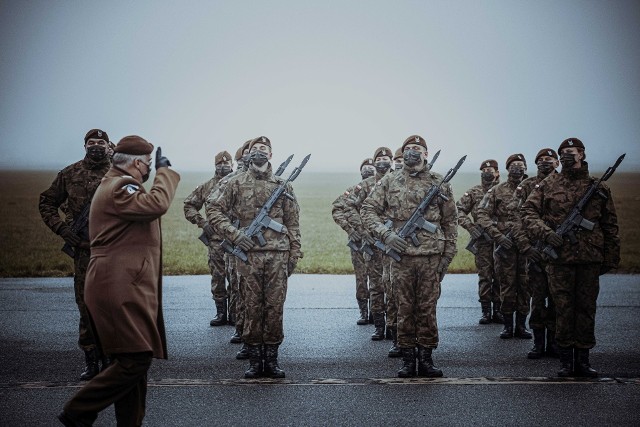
131, 188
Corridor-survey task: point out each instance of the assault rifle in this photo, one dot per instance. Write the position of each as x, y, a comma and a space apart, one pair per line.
417, 221
575, 220
203, 237
262, 221
80, 227
471, 247
499, 250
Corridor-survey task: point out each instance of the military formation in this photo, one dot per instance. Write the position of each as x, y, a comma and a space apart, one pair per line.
540, 244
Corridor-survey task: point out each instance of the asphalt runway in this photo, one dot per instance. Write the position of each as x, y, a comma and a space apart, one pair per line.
335, 374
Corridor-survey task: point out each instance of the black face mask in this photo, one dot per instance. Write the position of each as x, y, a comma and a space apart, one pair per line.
366, 173
545, 168
382, 166
96, 153
399, 166
568, 160
223, 170
516, 172
259, 158
411, 157
487, 177
145, 177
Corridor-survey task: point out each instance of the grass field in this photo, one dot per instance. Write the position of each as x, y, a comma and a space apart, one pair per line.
30, 249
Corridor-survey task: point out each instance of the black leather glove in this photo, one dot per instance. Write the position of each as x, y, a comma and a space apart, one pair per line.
368, 238
355, 236
395, 242
161, 161
475, 232
291, 265
71, 238
443, 266
534, 254
505, 242
208, 230
554, 239
244, 242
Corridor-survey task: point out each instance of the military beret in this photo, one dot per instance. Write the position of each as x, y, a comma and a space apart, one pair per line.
546, 152
222, 156
490, 163
260, 140
133, 144
414, 139
516, 157
571, 142
398, 154
96, 134
366, 162
238, 155
382, 151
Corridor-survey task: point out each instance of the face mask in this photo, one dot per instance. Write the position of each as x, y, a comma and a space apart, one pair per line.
516, 172
399, 166
567, 160
96, 153
411, 157
145, 176
382, 166
366, 173
487, 177
545, 168
223, 170
259, 158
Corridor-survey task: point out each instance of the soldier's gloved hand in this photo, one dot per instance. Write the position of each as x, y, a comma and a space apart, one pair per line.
533, 254
368, 238
355, 236
505, 242
475, 232
161, 161
291, 265
395, 242
443, 266
554, 239
71, 238
208, 230
243, 242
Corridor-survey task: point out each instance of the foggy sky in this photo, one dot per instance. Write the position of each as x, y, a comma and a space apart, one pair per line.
334, 78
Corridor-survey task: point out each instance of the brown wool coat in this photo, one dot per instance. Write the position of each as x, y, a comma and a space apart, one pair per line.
123, 289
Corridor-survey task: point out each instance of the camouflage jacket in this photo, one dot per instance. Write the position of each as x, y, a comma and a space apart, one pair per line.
397, 195
194, 202
217, 189
468, 205
552, 200
75, 185
341, 214
243, 196
353, 202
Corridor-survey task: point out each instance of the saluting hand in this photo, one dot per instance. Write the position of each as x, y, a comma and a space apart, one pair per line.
161, 161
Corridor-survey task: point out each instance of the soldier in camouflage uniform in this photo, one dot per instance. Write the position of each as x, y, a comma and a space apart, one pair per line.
339, 213
574, 275
268, 267
75, 186
498, 215
192, 205
417, 276
543, 315
488, 288
375, 266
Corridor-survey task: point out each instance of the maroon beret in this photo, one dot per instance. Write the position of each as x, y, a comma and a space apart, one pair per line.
260, 140
135, 145
366, 162
490, 163
382, 151
96, 134
546, 152
398, 154
222, 156
571, 142
516, 157
414, 139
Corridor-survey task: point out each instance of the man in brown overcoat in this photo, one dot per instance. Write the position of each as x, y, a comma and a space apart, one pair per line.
124, 283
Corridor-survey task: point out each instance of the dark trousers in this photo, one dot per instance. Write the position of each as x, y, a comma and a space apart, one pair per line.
123, 384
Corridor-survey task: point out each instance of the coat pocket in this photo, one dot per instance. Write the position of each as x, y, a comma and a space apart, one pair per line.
142, 273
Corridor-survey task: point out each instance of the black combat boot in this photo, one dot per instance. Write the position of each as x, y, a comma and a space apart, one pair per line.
363, 305
521, 330
582, 367
486, 313
378, 322
497, 314
255, 362
271, 368
236, 338
91, 369
507, 332
566, 362
243, 354
394, 351
425, 363
408, 363
232, 319
221, 315
538, 345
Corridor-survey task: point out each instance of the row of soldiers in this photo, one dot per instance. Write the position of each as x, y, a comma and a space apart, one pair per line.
513, 227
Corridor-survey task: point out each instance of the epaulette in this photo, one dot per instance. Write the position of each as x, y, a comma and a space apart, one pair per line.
346, 193
358, 188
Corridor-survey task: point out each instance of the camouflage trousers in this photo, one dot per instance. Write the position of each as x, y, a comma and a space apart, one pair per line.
264, 287
86, 337
362, 275
417, 289
232, 278
543, 310
512, 277
218, 271
376, 283
574, 289
488, 288
390, 299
